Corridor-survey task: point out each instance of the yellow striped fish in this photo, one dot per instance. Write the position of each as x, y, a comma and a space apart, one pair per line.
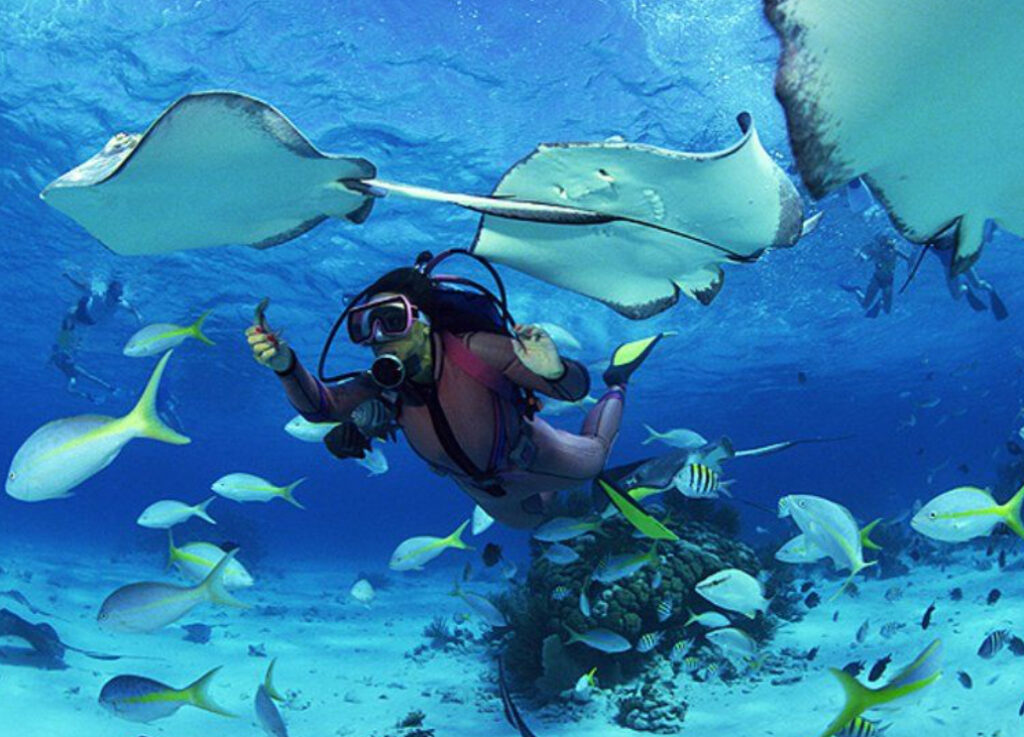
861, 727
698, 481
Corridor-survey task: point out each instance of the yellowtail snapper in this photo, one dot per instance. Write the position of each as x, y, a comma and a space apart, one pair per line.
266, 711
140, 699
600, 639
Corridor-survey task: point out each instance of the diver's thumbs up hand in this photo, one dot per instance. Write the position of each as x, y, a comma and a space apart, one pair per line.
268, 347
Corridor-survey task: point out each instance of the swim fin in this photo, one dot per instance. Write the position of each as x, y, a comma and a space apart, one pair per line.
627, 358
999, 310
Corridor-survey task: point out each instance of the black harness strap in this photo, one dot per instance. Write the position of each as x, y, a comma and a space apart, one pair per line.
452, 448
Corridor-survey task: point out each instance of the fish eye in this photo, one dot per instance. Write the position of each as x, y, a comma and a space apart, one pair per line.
933, 515
11, 476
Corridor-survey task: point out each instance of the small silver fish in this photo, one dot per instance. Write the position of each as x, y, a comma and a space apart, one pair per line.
891, 628
600, 639
560, 554
862, 632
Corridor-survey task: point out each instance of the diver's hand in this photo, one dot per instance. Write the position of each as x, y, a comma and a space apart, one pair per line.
269, 348
537, 351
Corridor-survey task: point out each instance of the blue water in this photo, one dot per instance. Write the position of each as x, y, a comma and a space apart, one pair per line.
449, 94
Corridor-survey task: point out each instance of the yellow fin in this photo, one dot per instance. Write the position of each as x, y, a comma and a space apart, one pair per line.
286, 493
143, 418
865, 536
1010, 512
198, 694
635, 514
196, 329
268, 682
455, 539
213, 584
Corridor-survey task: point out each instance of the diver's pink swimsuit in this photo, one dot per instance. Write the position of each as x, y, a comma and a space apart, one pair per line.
530, 457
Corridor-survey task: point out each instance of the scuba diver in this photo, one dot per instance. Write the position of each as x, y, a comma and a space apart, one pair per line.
877, 295
967, 284
460, 378
62, 357
99, 301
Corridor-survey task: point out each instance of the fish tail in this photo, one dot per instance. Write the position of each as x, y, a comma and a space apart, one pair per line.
455, 539
1011, 512
286, 493
849, 580
574, 636
196, 329
144, 419
199, 695
173, 552
858, 700
268, 682
201, 511
213, 584
865, 535
652, 436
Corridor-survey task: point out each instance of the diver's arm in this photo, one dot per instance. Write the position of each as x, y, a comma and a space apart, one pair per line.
497, 351
81, 285
319, 403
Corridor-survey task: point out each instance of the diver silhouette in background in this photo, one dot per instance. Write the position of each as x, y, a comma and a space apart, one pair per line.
458, 377
885, 254
99, 301
967, 284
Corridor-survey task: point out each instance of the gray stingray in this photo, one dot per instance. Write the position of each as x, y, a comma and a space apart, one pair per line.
659, 472
674, 218
919, 97
631, 225
44, 646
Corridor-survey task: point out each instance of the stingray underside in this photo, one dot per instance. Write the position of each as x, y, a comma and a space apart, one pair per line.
643, 256
920, 97
215, 168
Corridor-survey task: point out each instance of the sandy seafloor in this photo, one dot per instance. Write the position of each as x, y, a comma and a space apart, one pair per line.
347, 669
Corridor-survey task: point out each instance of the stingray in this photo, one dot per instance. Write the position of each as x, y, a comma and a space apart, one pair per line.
658, 472
920, 98
42, 646
631, 225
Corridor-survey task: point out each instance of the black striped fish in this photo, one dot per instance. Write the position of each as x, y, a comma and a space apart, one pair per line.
993, 643
861, 727
698, 481
649, 641
664, 610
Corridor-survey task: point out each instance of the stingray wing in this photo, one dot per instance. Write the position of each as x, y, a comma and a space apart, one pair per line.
215, 168
921, 97
671, 219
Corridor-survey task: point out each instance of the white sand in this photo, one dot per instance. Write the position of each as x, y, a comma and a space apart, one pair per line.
346, 670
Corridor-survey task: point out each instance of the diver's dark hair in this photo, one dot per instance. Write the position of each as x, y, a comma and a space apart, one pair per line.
410, 281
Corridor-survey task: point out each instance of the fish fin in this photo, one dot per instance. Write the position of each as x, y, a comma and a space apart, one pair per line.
144, 419
849, 580
268, 682
858, 700
635, 514
286, 493
199, 695
196, 329
200, 511
213, 584
865, 535
652, 436
723, 486
455, 539
172, 551
1010, 512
